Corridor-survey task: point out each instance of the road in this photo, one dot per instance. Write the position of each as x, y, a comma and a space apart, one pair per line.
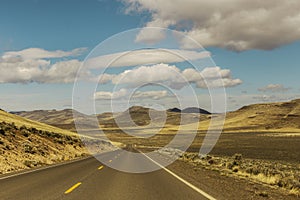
89, 179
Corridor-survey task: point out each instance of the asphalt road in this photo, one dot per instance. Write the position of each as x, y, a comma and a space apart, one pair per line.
89, 179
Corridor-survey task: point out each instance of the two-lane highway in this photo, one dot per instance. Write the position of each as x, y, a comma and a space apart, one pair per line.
89, 179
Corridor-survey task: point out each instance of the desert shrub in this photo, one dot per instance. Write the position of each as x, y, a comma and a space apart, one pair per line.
27, 163
237, 156
59, 140
33, 130
25, 133
31, 163
2, 132
229, 165
211, 161
23, 127
235, 169
263, 194
69, 138
27, 148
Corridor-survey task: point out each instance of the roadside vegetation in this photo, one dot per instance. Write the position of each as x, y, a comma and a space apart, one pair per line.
285, 176
26, 147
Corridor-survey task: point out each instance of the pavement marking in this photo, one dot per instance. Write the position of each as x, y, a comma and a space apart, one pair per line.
101, 167
110, 161
182, 180
73, 188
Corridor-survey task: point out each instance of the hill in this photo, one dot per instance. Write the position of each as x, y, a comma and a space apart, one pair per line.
58, 118
190, 110
272, 117
265, 117
142, 117
25, 143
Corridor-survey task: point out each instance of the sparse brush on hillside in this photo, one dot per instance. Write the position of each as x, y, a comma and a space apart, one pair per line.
23, 147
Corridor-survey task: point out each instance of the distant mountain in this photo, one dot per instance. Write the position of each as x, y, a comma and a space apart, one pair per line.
283, 116
60, 118
177, 110
190, 110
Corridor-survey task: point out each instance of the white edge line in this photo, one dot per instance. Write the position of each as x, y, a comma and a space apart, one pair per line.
48, 167
182, 180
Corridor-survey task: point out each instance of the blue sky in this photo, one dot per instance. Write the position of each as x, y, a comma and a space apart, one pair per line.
265, 60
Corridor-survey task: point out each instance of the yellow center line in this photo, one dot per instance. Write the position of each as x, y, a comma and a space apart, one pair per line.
72, 188
101, 167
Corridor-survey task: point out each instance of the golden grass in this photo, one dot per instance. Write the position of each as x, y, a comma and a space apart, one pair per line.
295, 191
20, 121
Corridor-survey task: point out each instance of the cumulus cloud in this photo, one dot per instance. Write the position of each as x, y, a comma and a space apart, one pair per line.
170, 75
30, 65
160, 73
145, 56
22, 72
274, 88
235, 24
39, 71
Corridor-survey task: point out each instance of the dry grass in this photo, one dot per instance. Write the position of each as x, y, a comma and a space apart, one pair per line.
20, 121
275, 174
26, 144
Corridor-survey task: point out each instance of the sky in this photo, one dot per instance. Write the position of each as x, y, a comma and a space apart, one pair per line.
248, 53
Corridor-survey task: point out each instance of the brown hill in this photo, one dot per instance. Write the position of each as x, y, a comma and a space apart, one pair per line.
59, 118
137, 116
283, 116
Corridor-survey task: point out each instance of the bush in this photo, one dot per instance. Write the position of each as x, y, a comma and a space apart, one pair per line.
28, 148
237, 156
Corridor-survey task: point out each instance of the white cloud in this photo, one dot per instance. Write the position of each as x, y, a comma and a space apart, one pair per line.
30, 65
274, 88
105, 78
158, 94
170, 75
103, 95
22, 72
40, 71
160, 73
37, 53
144, 56
124, 94
235, 24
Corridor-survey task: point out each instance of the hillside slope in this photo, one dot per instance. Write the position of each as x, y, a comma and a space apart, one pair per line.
26, 144
267, 117
59, 118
